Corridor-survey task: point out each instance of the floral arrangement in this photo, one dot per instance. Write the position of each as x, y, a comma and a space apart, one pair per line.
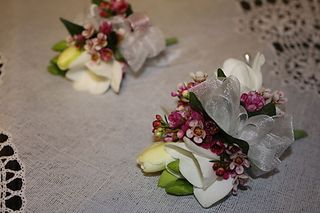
96, 55
224, 130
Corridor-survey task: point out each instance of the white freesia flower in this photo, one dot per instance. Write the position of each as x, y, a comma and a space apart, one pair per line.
95, 77
250, 77
195, 166
154, 158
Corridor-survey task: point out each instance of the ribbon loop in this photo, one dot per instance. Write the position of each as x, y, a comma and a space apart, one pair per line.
268, 137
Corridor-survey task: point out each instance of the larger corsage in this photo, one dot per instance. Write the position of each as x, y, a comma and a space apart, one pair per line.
95, 56
224, 129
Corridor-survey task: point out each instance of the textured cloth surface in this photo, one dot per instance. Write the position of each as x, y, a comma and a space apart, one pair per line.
79, 150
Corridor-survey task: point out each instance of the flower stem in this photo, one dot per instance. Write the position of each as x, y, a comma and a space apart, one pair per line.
171, 41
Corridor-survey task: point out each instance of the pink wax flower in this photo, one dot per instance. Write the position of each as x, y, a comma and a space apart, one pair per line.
278, 97
175, 119
183, 91
232, 149
106, 54
105, 27
252, 101
119, 6
211, 127
196, 116
221, 170
100, 41
89, 46
196, 131
266, 93
88, 30
218, 147
239, 162
77, 40
208, 142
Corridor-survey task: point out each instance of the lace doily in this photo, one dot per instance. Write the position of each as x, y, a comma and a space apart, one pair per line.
292, 28
2, 66
12, 177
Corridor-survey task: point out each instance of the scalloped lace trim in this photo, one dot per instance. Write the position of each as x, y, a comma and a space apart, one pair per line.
12, 177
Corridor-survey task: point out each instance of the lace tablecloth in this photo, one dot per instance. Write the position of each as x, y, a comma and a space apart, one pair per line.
79, 150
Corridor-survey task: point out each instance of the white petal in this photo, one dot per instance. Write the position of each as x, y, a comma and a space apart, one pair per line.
84, 80
117, 74
188, 165
101, 68
218, 190
209, 175
250, 77
75, 74
199, 150
80, 61
98, 86
111, 70
189, 133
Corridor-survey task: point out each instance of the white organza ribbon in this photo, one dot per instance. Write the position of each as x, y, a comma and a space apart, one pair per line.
141, 40
268, 137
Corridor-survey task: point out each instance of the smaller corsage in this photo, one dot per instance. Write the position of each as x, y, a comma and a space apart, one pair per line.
96, 55
224, 130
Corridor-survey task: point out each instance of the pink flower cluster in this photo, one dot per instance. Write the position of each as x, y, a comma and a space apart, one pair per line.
94, 42
183, 91
233, 165
113, 7
276, 97
252, 101
186, 122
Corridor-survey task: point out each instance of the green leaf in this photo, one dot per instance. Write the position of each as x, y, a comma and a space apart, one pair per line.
129, 11
54, 60
118, 55
196, 104
166, 178
171, 41
54, 70
299, 134
97, 2
269, 109
220, 73
60, 46
72, 28
112, 41
174, 166
179, 188
242, 144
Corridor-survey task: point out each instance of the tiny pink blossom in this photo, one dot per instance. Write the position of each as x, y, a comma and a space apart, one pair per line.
120, 6
180, 134
252, 101
89, 46
175, 119
239, 161
278, 97
218, 147
100, 41
106, 54
88, 30
70, 39
196, 131
266, 93
105, 27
